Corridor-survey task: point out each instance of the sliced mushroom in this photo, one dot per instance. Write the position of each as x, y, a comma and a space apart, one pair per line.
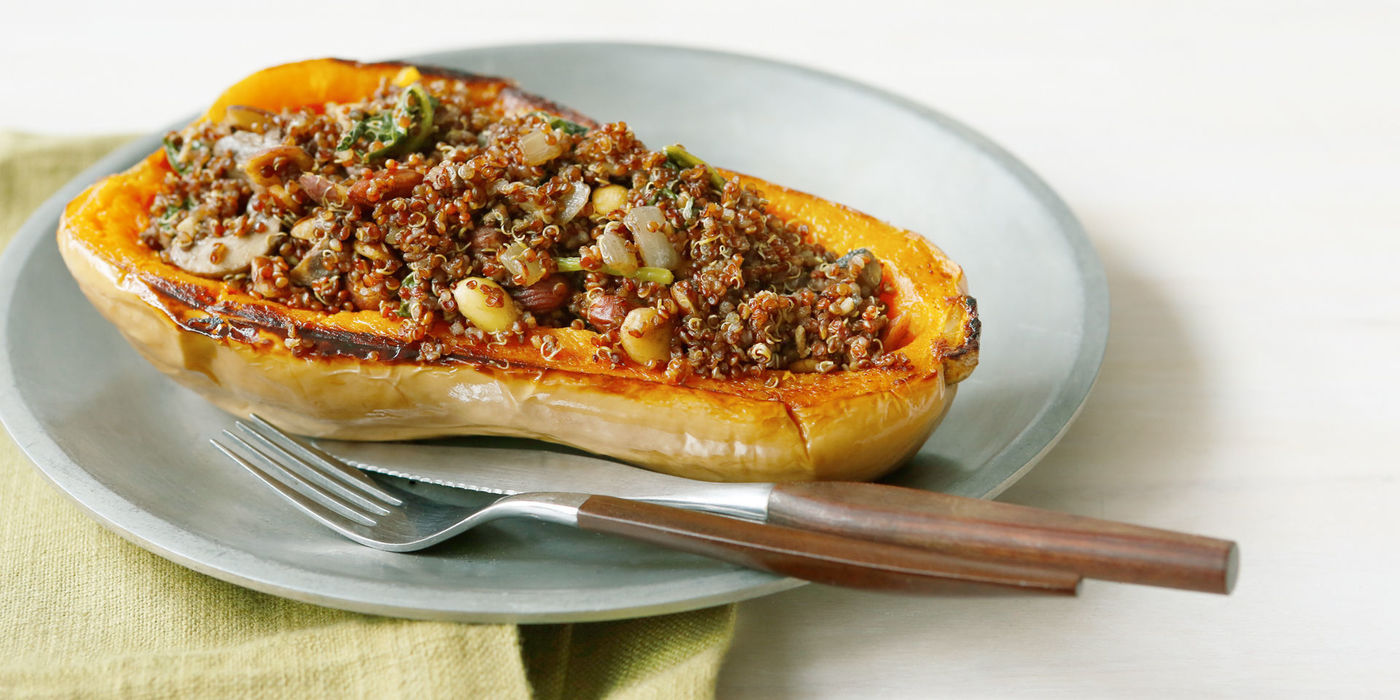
870, 272
243, 145
217, 256
248, 118
319, 263
305, 229
377, 252
271, 166
365, 297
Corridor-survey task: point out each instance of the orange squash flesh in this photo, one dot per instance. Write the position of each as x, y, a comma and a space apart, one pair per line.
363, 379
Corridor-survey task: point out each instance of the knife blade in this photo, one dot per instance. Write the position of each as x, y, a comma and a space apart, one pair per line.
967, 527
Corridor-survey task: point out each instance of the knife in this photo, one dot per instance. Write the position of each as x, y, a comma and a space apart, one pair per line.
954, 525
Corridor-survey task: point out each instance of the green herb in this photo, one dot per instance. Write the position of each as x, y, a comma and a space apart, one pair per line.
653, 194
410, 281
677, 156
557, 122
659, 275
379, 128
664, 192
172, 154
167, 217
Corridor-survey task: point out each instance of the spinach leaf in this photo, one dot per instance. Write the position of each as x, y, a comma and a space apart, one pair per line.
384, 133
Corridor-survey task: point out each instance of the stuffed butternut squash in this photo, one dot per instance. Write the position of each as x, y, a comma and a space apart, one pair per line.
382, 251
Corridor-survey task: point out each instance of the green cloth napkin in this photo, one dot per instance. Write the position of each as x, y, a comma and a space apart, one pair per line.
84, 613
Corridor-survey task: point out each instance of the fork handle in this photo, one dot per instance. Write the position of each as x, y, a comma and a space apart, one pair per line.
982, 529
814, 556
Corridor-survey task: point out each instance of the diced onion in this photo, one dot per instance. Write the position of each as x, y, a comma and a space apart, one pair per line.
526, 272
538, 147
616, 255
574, 202
648, 226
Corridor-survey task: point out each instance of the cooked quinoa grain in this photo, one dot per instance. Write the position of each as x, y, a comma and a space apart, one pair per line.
418, 205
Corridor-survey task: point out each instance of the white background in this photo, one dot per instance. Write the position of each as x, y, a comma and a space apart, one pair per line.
1236, 165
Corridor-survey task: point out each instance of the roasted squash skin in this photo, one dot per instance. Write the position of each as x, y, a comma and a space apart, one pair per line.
363, 378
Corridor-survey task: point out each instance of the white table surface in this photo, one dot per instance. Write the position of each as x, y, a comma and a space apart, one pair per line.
1236, 165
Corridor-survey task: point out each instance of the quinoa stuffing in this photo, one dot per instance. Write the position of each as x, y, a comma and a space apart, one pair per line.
420, 204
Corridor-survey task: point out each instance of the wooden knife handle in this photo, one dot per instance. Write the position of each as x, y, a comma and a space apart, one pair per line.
814, 556
982, 529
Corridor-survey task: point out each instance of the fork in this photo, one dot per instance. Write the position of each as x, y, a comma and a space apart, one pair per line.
378, 514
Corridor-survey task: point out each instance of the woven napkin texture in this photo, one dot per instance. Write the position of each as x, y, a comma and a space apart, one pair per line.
83, 613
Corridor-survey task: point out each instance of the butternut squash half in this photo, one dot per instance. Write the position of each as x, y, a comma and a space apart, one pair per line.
363, 378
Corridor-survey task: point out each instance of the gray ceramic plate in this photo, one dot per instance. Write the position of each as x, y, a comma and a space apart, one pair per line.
130, 446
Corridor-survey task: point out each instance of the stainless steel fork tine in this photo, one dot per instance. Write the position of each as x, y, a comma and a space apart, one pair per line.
317, 502
284, 459
316, 459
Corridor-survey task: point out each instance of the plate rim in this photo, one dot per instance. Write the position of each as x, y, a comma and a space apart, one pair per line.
172, 542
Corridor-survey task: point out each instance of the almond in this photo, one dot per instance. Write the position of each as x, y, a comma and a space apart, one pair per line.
547, 294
